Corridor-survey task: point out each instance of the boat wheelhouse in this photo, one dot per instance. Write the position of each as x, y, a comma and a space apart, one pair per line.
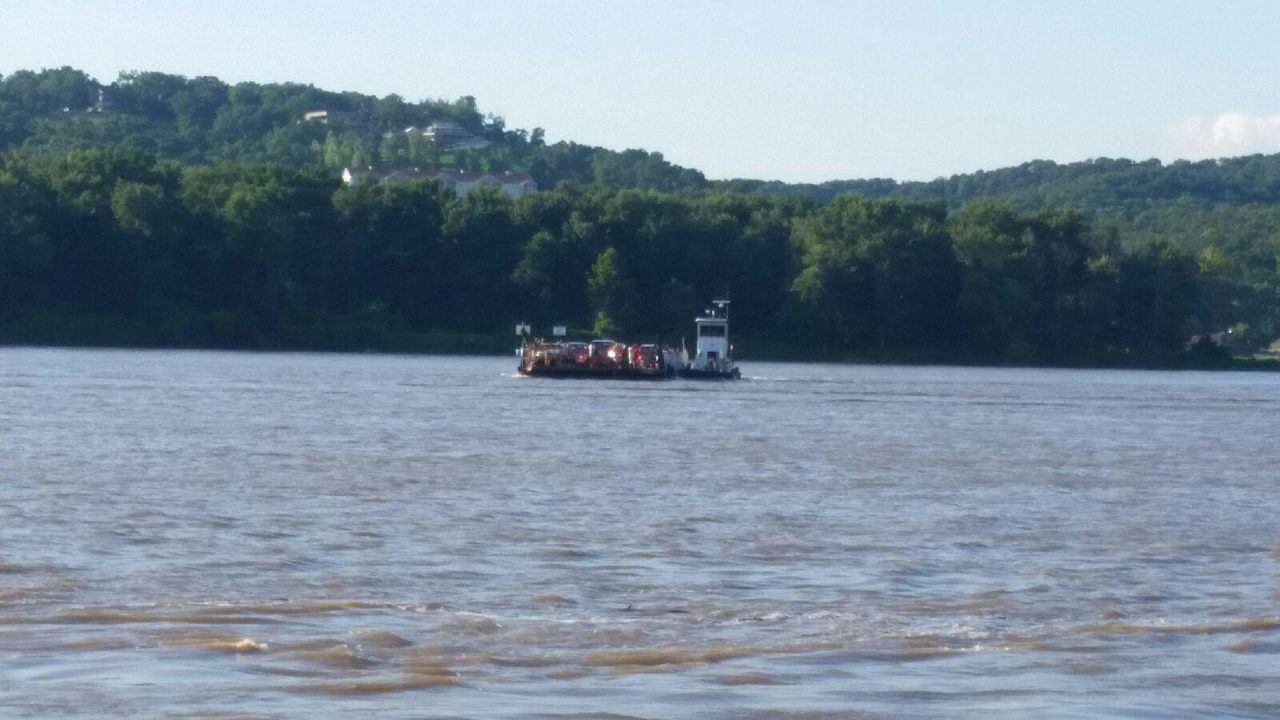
712, 359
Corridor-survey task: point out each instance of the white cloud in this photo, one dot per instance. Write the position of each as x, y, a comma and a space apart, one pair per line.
1225, 135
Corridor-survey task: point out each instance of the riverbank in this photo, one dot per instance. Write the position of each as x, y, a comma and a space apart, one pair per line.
1194, 359
214, 331
186, 331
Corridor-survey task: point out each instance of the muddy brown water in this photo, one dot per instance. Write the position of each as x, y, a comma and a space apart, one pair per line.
198, 534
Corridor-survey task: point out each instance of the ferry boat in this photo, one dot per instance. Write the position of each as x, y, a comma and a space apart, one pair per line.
612, 360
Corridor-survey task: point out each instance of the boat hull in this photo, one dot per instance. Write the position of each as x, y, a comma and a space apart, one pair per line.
594, 373
694, 374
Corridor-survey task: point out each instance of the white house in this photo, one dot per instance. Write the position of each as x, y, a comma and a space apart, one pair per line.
338, 117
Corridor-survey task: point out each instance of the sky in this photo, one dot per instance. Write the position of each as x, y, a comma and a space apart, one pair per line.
794, 91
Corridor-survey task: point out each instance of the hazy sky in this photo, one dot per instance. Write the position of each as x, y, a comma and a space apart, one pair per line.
798, 91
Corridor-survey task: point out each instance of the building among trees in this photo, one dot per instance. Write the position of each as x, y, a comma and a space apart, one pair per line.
511, 184
447, 133
339, 118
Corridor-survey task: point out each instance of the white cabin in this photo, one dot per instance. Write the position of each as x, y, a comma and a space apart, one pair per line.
713, 338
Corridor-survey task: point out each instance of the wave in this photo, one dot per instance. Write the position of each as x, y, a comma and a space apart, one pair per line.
217, 642
117, 617
666, 656
1240, 626
374, 687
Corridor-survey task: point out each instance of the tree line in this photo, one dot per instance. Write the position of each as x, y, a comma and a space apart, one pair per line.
1089, 185
117, 245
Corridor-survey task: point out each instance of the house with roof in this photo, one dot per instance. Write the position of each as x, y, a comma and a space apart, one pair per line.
513, 185
447, 133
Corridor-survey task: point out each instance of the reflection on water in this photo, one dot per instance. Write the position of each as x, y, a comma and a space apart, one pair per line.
212, 534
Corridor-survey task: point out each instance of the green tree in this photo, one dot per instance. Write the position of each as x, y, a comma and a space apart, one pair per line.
395, 249
878, 274
27, 252
609, 292
482, 249
1157, 292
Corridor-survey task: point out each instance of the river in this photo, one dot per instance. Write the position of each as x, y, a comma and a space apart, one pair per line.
205, 534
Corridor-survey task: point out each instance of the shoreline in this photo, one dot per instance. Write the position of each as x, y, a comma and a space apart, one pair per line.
436, 345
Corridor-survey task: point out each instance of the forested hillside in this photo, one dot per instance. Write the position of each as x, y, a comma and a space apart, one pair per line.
202, 120
187, 212
1092, 185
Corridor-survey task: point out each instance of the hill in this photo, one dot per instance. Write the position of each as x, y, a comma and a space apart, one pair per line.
204, 120
1102, 184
